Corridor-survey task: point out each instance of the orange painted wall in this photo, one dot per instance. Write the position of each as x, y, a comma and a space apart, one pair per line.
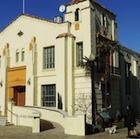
15, 77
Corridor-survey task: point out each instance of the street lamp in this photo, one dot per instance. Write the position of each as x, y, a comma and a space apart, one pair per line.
91, 60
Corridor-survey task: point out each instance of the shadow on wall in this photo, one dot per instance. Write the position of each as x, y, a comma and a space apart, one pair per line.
45, 125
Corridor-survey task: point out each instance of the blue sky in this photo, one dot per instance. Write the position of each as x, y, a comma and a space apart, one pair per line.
127, 12
128, 19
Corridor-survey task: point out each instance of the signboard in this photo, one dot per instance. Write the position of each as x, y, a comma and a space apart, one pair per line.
104, 115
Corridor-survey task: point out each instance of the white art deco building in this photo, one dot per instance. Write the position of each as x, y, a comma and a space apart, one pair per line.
40, 60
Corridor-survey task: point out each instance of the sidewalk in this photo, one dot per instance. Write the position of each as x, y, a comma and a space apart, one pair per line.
54, 131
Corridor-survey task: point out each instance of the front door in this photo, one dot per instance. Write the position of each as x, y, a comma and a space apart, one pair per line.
19, 95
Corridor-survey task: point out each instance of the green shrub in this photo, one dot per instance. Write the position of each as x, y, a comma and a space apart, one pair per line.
138, 118
120, 124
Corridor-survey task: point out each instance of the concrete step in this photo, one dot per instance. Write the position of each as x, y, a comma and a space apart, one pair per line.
4, 121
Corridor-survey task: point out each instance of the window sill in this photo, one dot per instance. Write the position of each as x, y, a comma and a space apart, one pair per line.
48, 70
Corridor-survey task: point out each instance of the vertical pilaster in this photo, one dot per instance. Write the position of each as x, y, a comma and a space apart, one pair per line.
61, 71
70, 78
31, 73
113, 30
10, 111
5, 62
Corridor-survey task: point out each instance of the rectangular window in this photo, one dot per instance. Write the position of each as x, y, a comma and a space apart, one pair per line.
101, 61
104, 24
79, 47
103, 20
127, 78
77, 15
49, 59
49, 95
115, 63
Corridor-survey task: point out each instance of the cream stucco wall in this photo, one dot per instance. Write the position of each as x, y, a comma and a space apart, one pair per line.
44, 37
38, 34
71, 82
24, 116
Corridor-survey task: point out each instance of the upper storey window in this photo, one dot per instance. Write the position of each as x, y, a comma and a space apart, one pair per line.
22, 55
104, 20
127, 78
17, 55
103, 24
79, 53
77, 14
49, 59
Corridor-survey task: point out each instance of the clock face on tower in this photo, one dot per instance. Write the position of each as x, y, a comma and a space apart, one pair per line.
62, 8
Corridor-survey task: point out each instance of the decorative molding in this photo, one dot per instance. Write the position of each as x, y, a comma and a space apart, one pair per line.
33, 41
30, 47
6, 47
29, 81
20, 33
65, 35
77, 26
16, 68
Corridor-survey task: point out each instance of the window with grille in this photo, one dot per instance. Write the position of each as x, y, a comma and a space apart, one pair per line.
79, 53
49, 59
49, 95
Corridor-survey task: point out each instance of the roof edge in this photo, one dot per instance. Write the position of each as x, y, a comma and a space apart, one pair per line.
65, 35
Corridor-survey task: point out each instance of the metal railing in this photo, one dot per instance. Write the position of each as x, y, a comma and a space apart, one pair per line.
16, 115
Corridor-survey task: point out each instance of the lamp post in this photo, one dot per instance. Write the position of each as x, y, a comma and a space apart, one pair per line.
91, 60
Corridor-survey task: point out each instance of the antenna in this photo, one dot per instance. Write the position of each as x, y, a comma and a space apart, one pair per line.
23, 6
62, 8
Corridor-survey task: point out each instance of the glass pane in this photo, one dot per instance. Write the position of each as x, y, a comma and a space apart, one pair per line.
49, 95
79, 53
49, 57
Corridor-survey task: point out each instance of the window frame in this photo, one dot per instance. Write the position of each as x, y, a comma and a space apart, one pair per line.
77, 14
49, 95
22, 55
17, 56
49, 57
79, 54
104, 20
128, 78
